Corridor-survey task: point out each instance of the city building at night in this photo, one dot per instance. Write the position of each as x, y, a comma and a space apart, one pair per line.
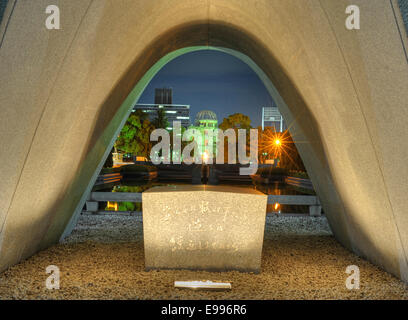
271, 117
163, 98
174, 112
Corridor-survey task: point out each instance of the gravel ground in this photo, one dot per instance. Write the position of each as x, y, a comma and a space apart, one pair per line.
103, 259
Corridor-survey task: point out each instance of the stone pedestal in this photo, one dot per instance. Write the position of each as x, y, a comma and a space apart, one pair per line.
315, 211
212, 228
92, 206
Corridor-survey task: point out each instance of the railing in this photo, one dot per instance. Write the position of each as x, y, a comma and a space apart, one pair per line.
92, 204
116, 196
315, 208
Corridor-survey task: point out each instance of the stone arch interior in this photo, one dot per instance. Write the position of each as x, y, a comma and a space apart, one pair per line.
162, 62
224, 38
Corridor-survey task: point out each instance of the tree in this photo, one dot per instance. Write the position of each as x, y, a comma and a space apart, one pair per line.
135, 135
291, 159
236, 121
161, 120
144, 138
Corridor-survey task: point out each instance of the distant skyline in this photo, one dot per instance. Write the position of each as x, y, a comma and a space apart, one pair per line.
212, 80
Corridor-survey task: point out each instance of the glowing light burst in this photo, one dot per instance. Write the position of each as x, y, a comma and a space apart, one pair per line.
274, 143
205, 156
277, 144
112, 205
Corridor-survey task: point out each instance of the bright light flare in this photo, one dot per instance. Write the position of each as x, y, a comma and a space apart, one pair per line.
274, 143
205, 157
112, 205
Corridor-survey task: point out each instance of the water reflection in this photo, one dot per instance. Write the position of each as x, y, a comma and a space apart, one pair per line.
270, 189
279, 188
136, 187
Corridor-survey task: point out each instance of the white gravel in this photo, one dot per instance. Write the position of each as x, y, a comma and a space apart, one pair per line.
107, 229
297, 226
124, 228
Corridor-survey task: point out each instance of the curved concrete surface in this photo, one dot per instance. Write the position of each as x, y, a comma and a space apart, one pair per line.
64, 94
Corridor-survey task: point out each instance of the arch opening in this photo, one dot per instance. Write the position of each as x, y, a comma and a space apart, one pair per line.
128, 105
201, 115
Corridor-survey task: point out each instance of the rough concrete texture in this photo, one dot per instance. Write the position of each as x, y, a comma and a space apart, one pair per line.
344, 92
403, 5
203, 228
103, 259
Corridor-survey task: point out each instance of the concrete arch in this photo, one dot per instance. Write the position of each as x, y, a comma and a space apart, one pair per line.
69, 93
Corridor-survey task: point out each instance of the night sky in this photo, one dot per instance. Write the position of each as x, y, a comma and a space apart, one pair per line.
212, 80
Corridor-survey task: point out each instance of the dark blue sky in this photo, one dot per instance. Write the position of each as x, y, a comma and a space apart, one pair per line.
212, 80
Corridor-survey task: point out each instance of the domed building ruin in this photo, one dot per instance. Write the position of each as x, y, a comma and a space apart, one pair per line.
205, 121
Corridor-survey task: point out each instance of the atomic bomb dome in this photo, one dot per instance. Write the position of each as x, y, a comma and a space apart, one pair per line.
205, 115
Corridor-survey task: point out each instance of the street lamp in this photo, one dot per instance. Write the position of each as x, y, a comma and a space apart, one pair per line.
278, 150
205, 157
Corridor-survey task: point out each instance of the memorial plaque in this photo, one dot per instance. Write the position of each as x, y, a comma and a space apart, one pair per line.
212, 228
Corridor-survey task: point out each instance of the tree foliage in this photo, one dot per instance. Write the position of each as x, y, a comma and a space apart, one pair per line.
135, 135
161, 120
291, 159
236, 121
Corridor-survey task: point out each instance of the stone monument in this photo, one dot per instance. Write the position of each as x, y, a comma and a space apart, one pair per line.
202, 227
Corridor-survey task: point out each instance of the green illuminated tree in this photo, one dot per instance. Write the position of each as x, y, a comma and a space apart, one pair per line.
135, 135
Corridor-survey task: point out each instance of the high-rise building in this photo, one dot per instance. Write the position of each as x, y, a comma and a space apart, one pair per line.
173, 112
163, 96
271, 117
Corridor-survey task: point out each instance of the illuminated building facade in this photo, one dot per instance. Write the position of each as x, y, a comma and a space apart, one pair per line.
174, 112
271, 117
206, 121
